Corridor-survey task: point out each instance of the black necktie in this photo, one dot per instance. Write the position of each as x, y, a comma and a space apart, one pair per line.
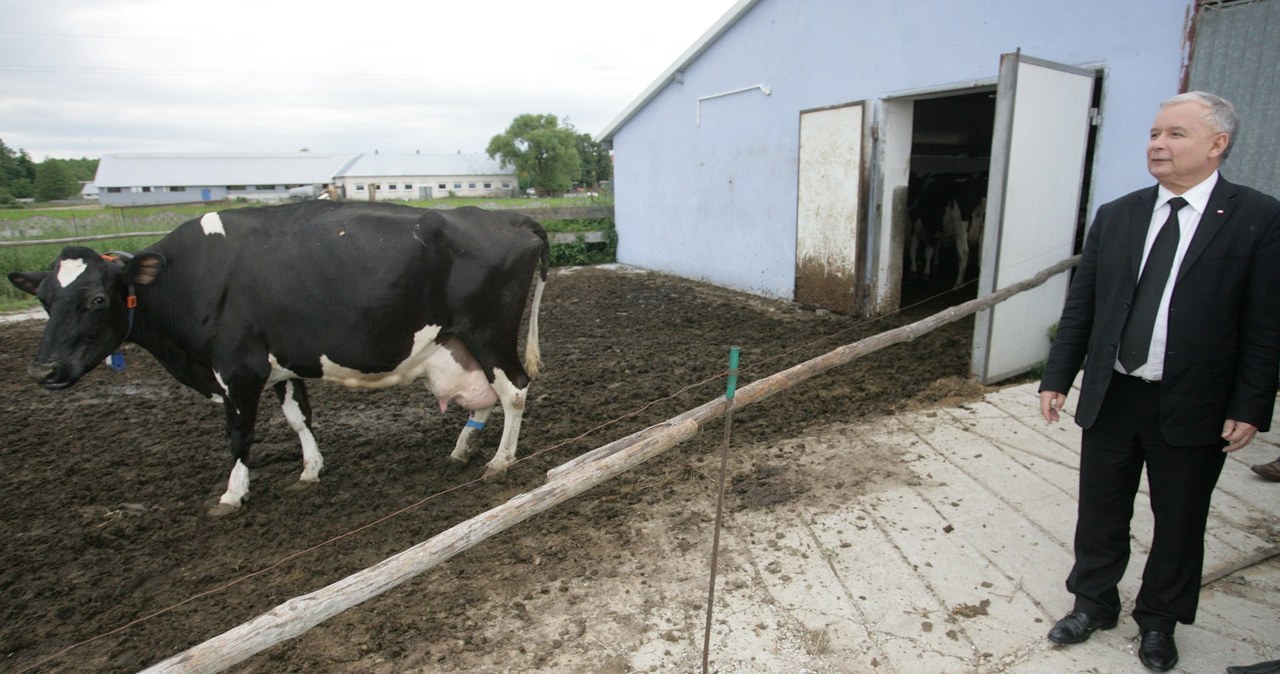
1135, 342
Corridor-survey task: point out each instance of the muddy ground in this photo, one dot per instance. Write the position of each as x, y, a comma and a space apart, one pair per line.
104, 487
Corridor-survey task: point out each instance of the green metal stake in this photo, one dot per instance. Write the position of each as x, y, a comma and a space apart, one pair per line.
724, 464
733, 374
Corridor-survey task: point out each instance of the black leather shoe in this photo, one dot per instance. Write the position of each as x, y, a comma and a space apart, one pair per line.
1271, 471
1268, 667
1158, 652
1077, 627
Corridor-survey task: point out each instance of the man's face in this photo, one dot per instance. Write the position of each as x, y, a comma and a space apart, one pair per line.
1183, 150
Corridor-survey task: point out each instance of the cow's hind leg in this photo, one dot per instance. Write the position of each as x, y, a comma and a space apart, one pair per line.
959, 230
465, 446
512, 399
973, 238
297, 411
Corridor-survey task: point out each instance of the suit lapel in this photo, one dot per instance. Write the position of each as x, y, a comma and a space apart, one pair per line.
1221, 203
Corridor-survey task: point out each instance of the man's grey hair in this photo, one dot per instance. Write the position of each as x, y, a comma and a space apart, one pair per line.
1221, 116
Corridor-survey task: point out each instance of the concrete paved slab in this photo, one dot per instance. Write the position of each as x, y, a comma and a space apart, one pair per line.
958, 563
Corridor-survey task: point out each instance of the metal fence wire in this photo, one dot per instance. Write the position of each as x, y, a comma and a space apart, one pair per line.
112, 220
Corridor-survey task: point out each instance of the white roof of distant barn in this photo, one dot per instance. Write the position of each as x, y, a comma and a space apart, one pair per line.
196, 170
456, 164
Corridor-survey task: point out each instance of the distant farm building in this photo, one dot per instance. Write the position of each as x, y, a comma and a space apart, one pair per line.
165, 178
425, 176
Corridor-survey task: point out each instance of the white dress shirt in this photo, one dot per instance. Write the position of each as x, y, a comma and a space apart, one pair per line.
1188, 219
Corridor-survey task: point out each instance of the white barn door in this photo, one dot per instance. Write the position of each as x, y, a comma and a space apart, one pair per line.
1037, 168
829, 199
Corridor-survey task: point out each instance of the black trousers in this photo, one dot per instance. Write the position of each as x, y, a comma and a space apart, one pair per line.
1126, 437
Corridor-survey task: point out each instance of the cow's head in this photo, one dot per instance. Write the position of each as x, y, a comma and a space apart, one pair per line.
86, 297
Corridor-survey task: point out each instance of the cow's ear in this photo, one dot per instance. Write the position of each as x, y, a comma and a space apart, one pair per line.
28, 281
145, 268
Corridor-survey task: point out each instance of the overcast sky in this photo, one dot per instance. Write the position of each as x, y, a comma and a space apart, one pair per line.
83, 79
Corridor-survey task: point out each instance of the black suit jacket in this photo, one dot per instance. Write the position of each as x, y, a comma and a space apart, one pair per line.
1224, 315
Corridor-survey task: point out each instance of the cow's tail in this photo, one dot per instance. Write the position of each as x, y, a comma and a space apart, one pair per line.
532, 352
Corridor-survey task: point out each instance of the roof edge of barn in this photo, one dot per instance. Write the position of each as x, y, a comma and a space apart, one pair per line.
669, 75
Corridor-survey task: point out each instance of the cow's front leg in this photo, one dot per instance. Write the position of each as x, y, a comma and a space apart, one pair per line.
512, 400
962, 252
914, 249
240, 401
297, 411
465, 446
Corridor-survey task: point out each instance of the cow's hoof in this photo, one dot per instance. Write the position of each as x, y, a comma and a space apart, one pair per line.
494, 474
302, 485
223, 509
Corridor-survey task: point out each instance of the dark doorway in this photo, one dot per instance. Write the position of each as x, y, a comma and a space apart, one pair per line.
950, 156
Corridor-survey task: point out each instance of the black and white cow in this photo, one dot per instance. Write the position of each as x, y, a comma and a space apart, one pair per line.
945, 207
369, 295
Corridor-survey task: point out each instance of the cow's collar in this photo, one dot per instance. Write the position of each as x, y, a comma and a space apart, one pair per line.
116, 362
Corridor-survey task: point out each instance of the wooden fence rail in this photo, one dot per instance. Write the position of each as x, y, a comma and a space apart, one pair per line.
300, 614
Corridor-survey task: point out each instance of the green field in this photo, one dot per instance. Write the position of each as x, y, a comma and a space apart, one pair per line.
60, 223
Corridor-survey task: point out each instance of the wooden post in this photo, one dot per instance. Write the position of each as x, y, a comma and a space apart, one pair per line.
300, 614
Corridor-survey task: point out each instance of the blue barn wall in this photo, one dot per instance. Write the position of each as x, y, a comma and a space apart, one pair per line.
717, 201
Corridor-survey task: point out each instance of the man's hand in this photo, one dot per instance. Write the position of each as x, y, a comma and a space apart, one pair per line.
1236, 433
1050, 403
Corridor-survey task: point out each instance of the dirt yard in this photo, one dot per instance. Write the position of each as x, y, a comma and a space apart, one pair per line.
104, 489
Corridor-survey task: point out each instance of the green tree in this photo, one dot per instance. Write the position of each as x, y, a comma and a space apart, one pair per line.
22, 188
80, 170
8, 167
542, 152
53, 182
26, 167
597, 165
17, 173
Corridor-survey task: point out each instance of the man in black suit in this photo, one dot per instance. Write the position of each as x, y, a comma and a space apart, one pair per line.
1178, 332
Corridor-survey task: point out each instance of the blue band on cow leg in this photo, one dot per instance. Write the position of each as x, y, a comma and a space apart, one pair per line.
116, 362
478, 425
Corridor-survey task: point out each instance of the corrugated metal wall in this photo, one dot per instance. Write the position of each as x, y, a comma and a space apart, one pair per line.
1237, 56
